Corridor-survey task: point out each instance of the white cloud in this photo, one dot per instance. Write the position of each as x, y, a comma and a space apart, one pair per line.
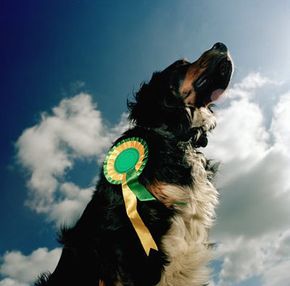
74, 131
253, 81
257, 200
21, 270
244, 258
11, 282
67, 210
278, 274
280, 127
254, 216
240, 133
240, 138
247, 86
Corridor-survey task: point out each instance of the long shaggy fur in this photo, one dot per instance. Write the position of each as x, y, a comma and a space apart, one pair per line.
102, 248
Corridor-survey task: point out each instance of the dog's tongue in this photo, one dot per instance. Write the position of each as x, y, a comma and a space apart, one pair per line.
216, 94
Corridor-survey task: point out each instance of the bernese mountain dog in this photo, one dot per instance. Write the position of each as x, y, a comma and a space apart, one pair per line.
172, 114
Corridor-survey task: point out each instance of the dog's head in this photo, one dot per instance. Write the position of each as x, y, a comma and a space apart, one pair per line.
173, 96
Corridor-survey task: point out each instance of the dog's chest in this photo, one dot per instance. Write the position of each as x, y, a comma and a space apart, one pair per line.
186, 242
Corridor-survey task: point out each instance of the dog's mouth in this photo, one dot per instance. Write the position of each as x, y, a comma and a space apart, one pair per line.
208, 77
214, 80
212, 83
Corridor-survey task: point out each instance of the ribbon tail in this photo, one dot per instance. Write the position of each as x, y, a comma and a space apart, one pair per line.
138, 189
141, 229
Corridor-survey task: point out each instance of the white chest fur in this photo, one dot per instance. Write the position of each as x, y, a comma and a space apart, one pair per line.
186, 243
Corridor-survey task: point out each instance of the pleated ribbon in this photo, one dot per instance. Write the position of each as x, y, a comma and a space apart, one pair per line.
123, 165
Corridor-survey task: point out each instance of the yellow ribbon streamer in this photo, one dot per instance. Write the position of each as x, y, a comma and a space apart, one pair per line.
142, 231
123, 164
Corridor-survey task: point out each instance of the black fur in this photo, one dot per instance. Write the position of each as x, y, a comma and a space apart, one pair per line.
103, 244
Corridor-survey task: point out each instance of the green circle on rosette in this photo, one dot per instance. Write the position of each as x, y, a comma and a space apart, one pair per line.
126, 160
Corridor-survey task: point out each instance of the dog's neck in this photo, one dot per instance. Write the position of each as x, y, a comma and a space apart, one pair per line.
202, 122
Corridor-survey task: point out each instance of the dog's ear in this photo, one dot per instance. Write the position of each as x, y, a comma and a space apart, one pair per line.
157, 104
146, 108
139, 108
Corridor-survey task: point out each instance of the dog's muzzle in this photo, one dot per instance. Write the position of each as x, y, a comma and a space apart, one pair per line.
211, 84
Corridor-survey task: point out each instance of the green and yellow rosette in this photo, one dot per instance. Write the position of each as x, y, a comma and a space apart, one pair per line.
123, 165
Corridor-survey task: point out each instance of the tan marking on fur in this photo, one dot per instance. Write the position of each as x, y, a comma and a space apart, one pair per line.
194, 71
170, 196
186, 88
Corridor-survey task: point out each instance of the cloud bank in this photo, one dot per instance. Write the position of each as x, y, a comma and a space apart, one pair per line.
22, 270
254, 216
74, 130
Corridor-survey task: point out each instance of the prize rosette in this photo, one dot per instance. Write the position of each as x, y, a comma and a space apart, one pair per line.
123, 165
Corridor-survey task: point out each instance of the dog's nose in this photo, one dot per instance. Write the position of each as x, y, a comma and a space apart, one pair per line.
220, 47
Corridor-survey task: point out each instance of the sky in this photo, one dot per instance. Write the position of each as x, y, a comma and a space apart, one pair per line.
67, 69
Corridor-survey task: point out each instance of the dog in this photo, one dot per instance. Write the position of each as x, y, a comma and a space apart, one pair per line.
172, 114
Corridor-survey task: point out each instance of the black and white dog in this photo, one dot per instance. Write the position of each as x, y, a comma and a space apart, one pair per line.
172, 114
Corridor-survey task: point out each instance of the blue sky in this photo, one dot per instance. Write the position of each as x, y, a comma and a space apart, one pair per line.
95, 54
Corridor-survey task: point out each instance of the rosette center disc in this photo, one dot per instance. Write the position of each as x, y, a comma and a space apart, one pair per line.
126, 160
